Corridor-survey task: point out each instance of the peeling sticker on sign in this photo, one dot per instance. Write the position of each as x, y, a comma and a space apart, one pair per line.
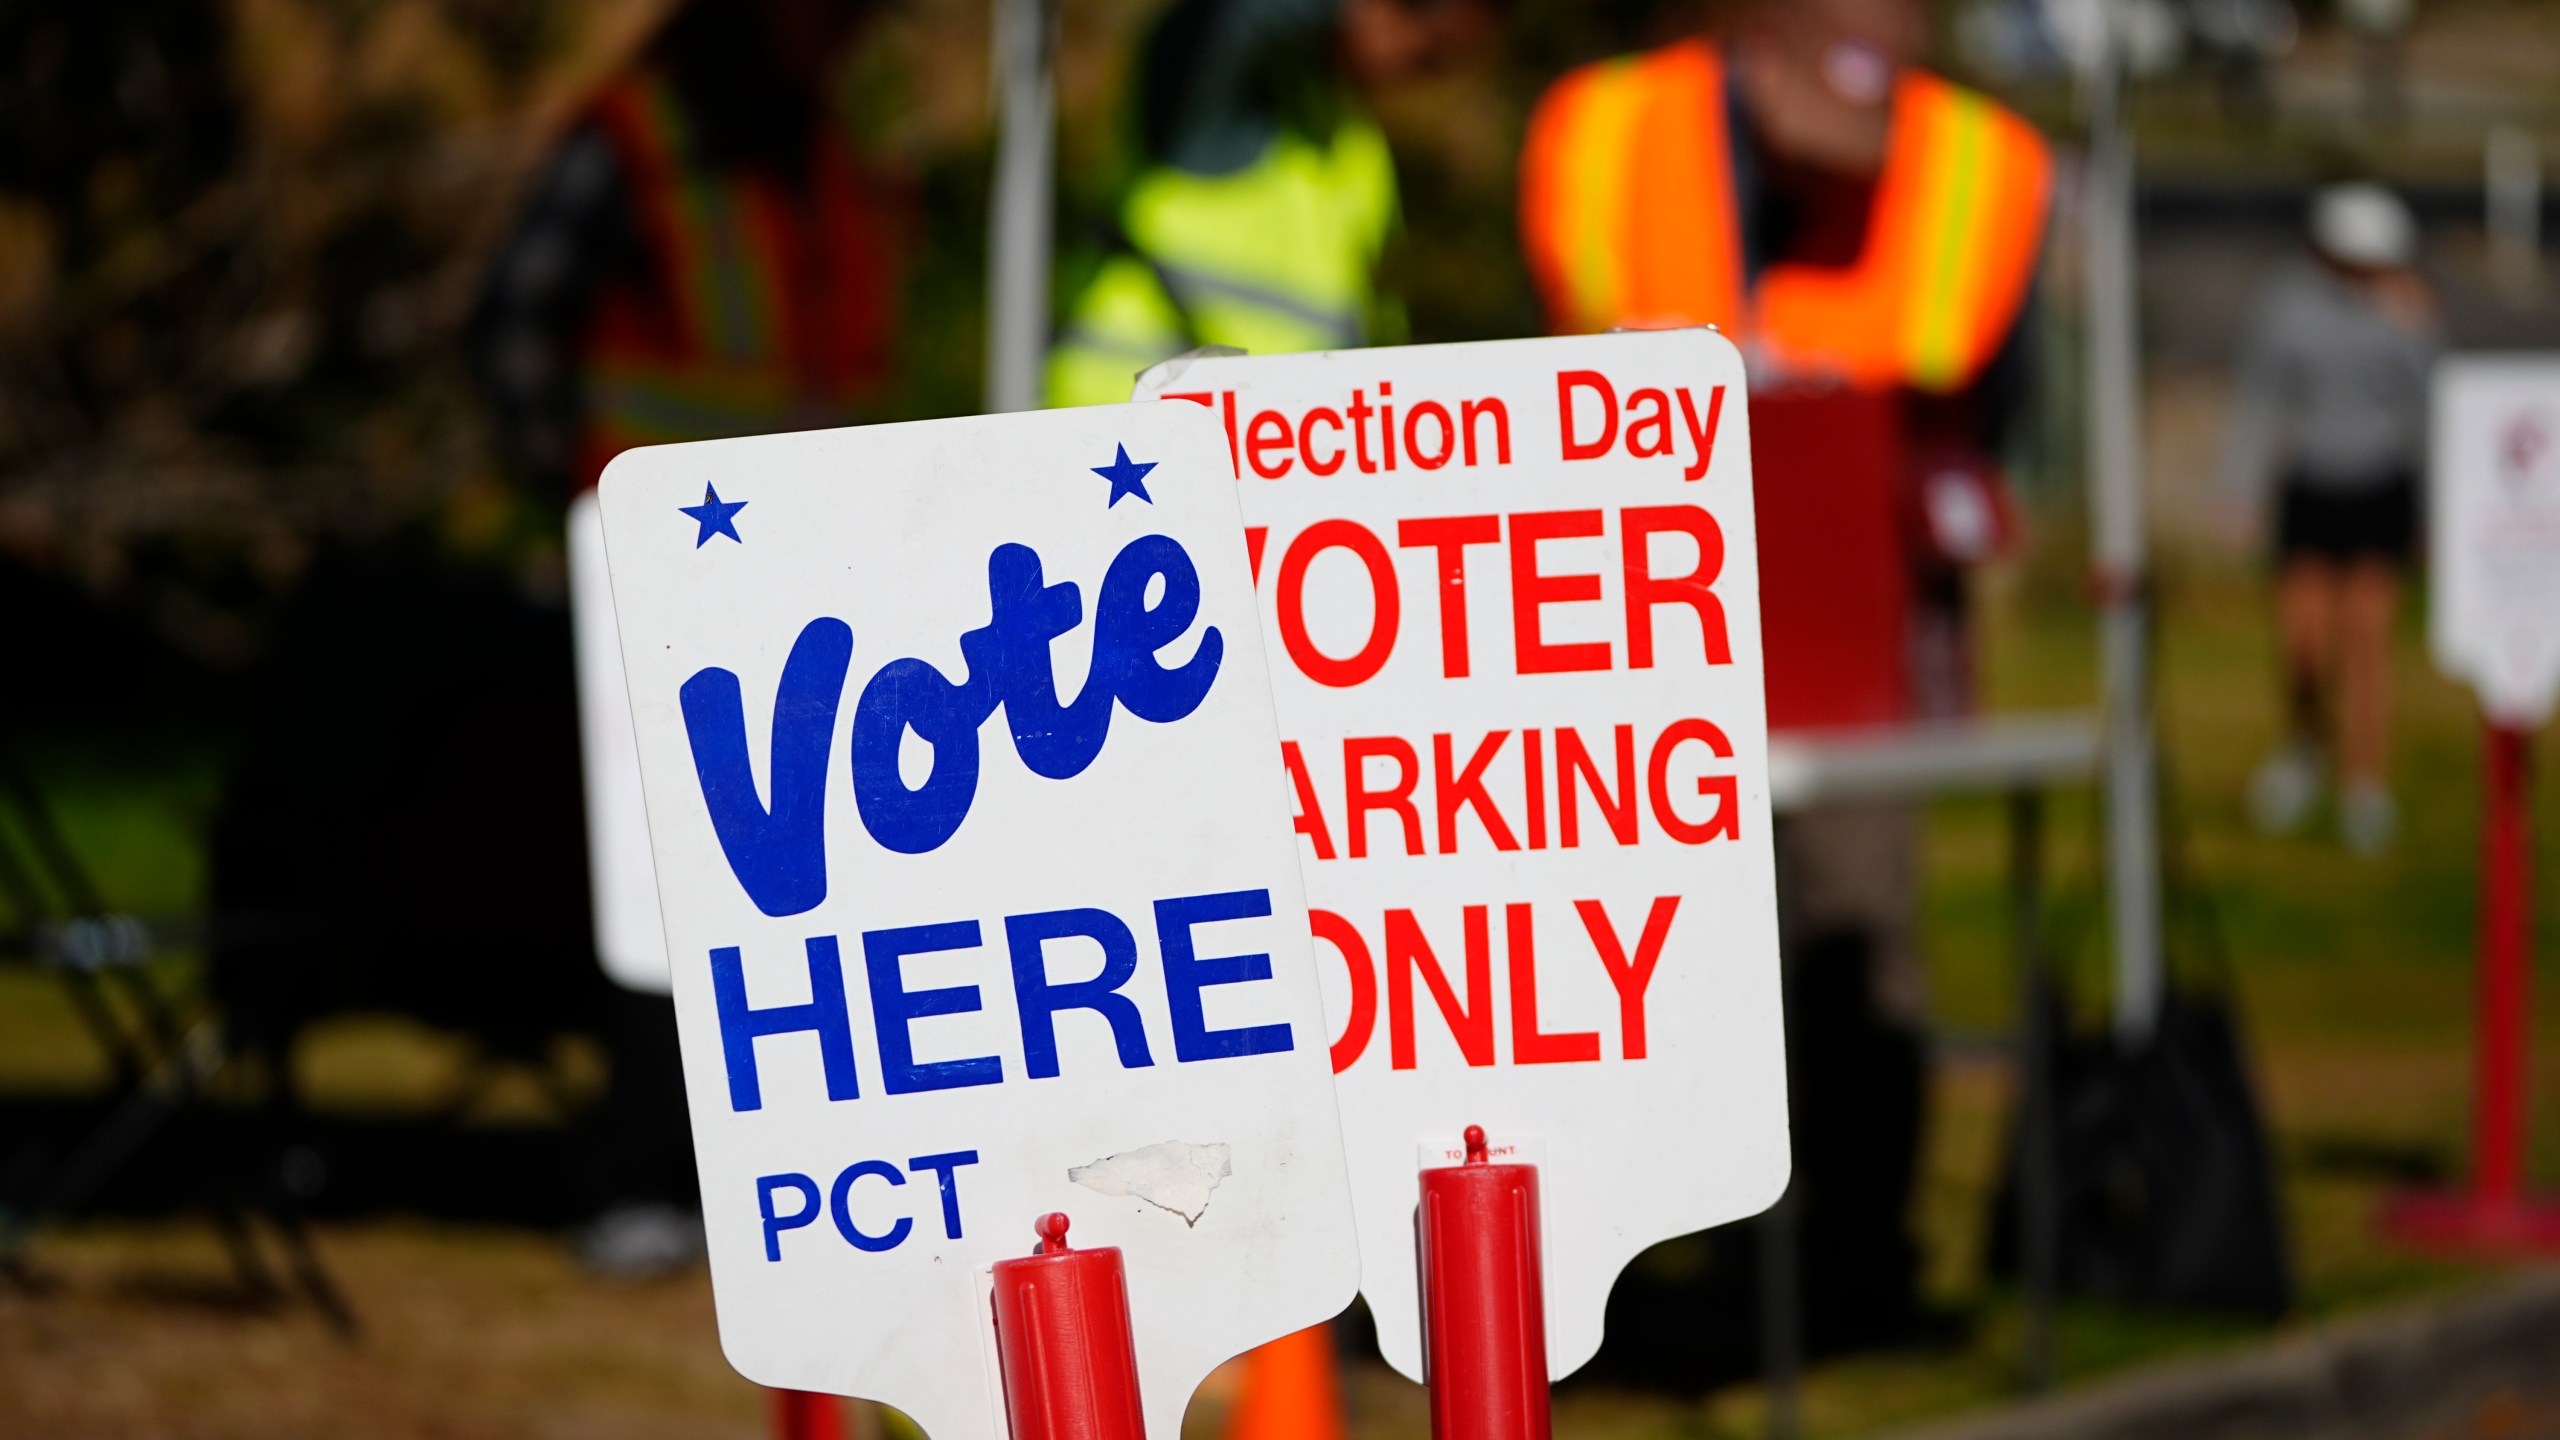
1174, 1175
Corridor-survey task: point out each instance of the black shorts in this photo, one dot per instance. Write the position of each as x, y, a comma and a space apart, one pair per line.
2378, 522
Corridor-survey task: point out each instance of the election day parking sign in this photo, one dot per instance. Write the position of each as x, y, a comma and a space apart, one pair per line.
1510, 596
980, 895
622, 883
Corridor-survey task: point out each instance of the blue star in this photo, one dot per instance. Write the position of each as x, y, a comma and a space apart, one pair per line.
715, 515
1124, 475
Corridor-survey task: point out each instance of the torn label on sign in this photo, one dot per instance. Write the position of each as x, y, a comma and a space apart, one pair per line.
1174, 1175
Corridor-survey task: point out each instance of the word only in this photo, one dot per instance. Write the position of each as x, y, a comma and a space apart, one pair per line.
1467, 997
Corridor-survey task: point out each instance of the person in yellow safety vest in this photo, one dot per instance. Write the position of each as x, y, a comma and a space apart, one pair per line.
1265, 198
1867, 233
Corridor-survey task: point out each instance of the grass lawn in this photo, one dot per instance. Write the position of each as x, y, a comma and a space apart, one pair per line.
2354, 976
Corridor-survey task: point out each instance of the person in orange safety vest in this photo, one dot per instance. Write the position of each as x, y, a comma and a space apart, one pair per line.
703, 255
1868, 234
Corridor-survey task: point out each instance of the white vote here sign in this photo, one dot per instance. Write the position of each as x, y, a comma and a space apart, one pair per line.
622, 883
979, 892
2494, 530
1510, 596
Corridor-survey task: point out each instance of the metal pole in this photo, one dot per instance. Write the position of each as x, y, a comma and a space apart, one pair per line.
2121, 550
2513, 188
1781, 1320
2039, 1197
1019, 217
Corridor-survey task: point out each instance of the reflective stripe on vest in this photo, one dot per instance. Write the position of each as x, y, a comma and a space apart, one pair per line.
762, 311
1628, 217
1279, 256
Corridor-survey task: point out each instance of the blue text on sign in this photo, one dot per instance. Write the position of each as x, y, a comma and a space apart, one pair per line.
1038, 1000
778, 852
839, 1201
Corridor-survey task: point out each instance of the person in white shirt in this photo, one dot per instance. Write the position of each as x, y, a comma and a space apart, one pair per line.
2331, 416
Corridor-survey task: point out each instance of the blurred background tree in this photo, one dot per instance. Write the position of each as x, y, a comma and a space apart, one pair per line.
239, 238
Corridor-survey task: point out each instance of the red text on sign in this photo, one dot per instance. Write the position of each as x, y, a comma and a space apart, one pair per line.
1539, 587
1465, 997
1592, 422
1396, 803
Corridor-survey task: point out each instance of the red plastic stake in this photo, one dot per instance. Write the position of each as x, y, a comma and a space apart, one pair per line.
1484, 1308
2496, 1216
1063, 1342
804, 1415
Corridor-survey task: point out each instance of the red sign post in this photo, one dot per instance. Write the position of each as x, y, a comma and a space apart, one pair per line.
2493, 567
2496, 1215
1484, 1307
1063, 1342
807, 1415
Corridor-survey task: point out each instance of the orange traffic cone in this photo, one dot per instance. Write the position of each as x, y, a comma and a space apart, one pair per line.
1290, 1391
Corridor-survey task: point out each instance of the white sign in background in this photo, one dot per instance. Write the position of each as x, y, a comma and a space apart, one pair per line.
622, 882
940, 805
1510, 596
2494, 530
